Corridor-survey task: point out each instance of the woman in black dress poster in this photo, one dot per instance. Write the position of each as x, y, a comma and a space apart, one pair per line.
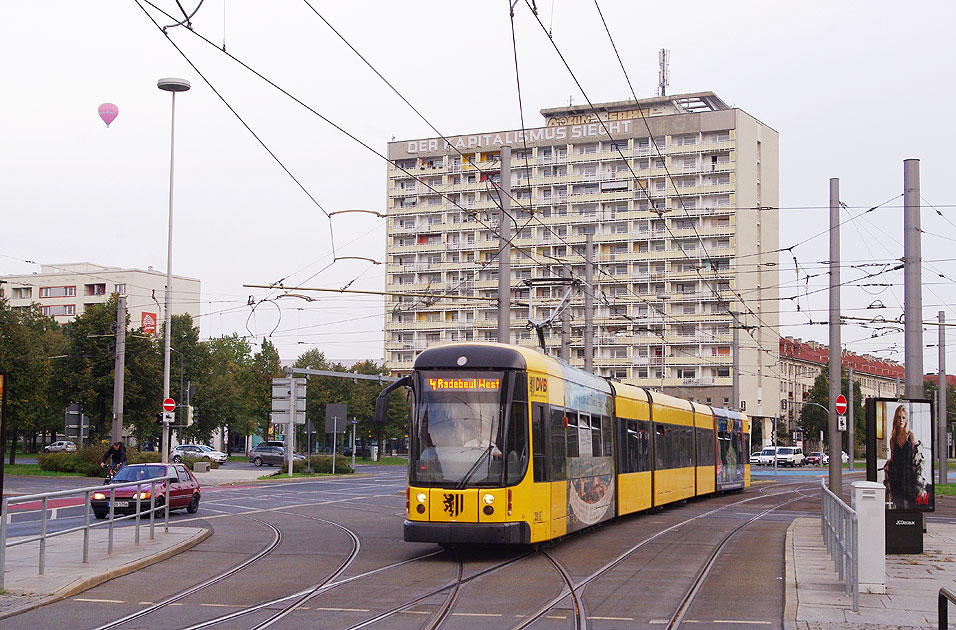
904, 468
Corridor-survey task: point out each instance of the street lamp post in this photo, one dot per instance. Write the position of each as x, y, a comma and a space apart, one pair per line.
172, 86
182, 400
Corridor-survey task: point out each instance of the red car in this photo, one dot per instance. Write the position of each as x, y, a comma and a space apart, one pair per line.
815, 458
183, 490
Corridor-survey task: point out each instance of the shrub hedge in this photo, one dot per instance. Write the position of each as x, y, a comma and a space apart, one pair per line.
322, 464
86, 460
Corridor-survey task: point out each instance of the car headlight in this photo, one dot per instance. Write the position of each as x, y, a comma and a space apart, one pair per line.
143, 495
99, 496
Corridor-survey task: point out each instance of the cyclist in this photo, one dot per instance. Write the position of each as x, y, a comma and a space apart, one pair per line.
117, 454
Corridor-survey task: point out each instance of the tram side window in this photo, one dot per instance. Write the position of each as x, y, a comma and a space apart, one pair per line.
662, 447
559, 460
516, 462
686, 447
607, 435
572, 434
747, 447
597, 444
635, 446
705, 447
538, 444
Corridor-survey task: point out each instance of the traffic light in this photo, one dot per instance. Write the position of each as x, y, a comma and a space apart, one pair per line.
159, 418
189, 415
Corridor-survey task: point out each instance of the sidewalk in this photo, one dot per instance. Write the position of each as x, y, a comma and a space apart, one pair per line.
816, 599
65, 573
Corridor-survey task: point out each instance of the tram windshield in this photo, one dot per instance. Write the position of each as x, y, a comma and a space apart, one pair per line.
459, 432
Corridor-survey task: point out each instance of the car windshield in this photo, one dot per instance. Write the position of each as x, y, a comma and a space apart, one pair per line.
140, 472
204, 448
786, 451
768, 451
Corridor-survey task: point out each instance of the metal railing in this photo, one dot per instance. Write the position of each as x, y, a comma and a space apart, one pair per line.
87, 493
839, 527
945, 596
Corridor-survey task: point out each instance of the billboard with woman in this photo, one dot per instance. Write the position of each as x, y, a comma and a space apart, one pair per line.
903, 454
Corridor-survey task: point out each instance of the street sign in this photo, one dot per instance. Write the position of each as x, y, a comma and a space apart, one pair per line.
169, 405
283, 417
283, 404
841, 422
169, 417
336, 417
840, 404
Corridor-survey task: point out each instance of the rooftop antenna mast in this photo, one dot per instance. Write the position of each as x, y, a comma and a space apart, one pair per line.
664, 74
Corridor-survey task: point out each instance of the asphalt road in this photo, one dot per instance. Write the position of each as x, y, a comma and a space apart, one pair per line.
335, 547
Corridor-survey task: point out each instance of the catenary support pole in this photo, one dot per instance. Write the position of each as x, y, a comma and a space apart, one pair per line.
588, 302
836, 443
735, 367
850, 428
941, 407
119, 369
566, 322
912, 279
504, 255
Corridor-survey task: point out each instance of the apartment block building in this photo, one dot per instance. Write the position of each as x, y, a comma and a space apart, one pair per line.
66, 291
802, 362
679, 195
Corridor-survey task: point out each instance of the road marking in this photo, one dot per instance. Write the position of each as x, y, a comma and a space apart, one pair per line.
659, 621
416, 612
612, 618
340, 609
221, 605
738, 621
476, 614
555, 617
99, 601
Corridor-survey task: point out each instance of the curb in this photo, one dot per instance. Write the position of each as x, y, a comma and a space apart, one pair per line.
95, 580
790, 589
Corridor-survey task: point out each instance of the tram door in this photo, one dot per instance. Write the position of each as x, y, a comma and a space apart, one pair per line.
540, 464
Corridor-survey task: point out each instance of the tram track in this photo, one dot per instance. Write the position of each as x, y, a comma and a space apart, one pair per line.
269, 548
577, 588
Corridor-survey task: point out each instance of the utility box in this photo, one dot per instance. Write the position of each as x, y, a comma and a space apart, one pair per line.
200, 467
869, 503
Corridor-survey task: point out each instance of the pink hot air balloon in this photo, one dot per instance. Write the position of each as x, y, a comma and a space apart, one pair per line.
108, 112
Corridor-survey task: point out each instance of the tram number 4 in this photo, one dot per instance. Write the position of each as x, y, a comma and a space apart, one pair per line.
454, 504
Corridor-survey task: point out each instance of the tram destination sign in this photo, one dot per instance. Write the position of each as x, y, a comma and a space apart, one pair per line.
464, 384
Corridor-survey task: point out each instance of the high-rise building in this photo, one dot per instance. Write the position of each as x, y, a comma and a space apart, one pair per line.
679, 194
65, 291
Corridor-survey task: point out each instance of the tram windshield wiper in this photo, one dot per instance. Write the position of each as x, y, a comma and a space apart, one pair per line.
475, 466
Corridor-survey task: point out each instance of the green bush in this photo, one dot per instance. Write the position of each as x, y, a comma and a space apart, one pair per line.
86, 460
323, 464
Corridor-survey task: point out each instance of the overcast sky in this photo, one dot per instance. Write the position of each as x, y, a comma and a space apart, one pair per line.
853, 88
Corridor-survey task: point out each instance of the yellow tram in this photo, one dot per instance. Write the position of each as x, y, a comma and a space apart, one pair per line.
509, 445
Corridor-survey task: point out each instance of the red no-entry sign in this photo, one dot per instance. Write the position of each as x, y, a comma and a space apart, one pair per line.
170, 405
841, 404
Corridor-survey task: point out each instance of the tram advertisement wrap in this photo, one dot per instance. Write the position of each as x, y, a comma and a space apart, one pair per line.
902, 433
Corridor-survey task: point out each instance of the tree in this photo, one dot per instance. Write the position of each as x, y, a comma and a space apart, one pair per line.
222, 392
265, 366
29, 343
813, 419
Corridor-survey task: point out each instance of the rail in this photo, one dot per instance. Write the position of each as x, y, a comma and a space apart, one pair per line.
945, 596
88, 492
839, 526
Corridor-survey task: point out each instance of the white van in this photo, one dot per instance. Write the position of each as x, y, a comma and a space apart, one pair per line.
789, 456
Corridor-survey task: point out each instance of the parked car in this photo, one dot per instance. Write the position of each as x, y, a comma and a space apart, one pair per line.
198, 451
59, 447
184, 491
755, 458
267, 453
790, 456
766, 456
815, 458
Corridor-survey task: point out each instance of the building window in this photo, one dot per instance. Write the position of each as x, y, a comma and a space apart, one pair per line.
119, 288
95, 289
22, 293
49, 292
58, 310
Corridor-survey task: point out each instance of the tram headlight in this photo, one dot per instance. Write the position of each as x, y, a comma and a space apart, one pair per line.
488, 499
421, 496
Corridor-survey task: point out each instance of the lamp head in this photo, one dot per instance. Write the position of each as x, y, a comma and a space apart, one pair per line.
170, 84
